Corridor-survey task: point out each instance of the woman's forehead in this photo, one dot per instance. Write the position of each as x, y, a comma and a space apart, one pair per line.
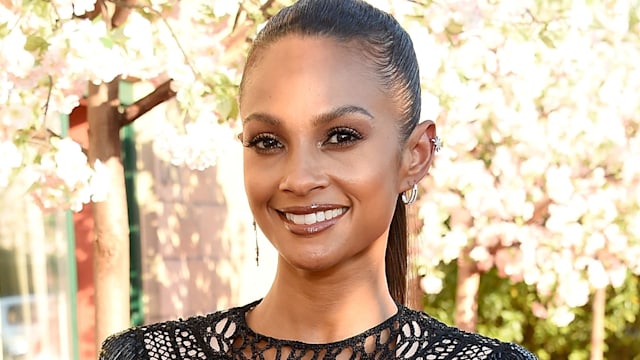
310, 69
300, 51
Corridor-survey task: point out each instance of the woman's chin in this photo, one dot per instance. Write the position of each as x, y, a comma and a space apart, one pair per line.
311, 262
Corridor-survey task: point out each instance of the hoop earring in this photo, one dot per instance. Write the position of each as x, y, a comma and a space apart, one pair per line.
413, 195
255, 232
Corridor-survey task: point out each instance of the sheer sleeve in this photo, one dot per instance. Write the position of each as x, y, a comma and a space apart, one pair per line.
127, 345
509, 351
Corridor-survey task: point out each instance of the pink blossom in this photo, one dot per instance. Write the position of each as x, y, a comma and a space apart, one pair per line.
539, 310
482, 257
431, 284
562, 316
11, 159
598, 277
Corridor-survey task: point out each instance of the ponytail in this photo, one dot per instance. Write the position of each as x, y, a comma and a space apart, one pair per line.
396, 257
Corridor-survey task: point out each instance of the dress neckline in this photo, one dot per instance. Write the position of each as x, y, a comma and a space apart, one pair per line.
392, 323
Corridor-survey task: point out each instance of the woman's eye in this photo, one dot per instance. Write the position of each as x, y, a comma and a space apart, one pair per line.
342, 136
265, 143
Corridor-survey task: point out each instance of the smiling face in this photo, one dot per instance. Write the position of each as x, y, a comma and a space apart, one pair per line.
322, 154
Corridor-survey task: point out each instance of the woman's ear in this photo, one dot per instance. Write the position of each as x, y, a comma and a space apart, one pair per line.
417, 154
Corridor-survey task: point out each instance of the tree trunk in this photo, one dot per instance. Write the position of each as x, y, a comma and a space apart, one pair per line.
111, 246
597, 328
467, 293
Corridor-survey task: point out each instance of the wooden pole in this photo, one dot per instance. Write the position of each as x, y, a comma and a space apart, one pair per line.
111, 242
467, 293
597, 328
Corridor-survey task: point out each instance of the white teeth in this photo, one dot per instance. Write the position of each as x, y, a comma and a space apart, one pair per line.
310, 219
296, 219
328, 215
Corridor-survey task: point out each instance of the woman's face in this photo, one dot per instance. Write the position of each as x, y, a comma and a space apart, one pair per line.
322, 152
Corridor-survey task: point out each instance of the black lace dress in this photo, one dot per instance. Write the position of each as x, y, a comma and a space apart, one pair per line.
225, 335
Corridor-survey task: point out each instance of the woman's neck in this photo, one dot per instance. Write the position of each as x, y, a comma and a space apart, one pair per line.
323, 307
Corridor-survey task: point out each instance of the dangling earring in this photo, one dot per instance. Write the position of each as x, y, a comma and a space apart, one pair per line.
255, 232
413, 195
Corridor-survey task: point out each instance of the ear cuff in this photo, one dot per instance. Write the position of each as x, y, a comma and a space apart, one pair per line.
437, 143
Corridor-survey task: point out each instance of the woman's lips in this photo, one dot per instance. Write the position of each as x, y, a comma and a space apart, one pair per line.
311, 220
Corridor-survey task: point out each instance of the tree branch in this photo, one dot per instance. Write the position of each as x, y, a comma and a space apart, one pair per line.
123, 9
46, 105
97, 11
161, 94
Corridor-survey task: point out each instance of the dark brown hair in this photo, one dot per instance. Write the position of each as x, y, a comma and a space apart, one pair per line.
389, 49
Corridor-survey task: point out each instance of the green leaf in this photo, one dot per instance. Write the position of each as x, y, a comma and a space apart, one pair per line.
107, 42
454, 28
118, 37
4, 29
225, 107
547, 41
40, 8
36, 43
634, 18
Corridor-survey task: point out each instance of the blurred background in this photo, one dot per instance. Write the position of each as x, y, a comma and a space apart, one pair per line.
121, 199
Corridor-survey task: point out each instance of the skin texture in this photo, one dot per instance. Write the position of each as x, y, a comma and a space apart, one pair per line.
320, 134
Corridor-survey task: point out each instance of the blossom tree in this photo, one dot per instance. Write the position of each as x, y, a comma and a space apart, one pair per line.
536, 100
54, 53
540, 174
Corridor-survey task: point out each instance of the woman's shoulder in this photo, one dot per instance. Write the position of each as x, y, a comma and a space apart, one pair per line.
429, 336
198, 337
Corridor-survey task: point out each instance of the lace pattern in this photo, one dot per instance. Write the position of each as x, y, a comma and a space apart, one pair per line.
225, 335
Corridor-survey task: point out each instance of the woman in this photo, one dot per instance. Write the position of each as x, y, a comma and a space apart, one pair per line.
330, 103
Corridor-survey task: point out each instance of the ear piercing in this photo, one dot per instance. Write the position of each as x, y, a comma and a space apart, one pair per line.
437, 143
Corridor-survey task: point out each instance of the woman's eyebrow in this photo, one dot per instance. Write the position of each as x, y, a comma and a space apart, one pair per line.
339, 112
262, 117
318, 120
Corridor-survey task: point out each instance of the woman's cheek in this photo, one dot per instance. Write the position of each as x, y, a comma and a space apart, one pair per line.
259, 184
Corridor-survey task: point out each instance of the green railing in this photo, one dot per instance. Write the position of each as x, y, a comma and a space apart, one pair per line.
129, 160
72, 271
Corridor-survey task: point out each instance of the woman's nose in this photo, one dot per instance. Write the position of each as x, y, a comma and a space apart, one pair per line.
303, 171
